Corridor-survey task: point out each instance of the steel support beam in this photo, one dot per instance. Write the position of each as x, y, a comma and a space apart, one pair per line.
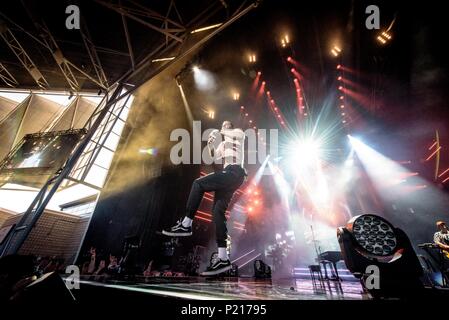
93, 55
128, 13
23, 57
128, 41
7, 77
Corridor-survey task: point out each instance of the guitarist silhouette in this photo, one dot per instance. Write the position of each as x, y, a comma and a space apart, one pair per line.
441, 238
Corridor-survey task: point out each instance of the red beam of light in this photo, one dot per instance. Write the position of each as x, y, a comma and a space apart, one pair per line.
296, 74
346, 69
208, 214
302, 69
351, 83
276, 111
255, 83
201, 218
236, 205
261, 92
358, 97
433, 153
442, 173
299, 98
433, 145
445, 180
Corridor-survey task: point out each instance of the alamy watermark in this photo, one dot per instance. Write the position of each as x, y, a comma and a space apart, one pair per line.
373, 20
72, 281
73, 19
372, 280
188, 150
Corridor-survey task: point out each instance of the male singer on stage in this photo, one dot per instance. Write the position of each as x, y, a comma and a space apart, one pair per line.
224, 183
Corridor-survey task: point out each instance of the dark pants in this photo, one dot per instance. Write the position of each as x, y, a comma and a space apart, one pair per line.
224, 183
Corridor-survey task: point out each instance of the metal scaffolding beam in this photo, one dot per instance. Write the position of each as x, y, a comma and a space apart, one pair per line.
23, 57
129, 12
60, 60
93, 55
128, 41
50, 43
7, 77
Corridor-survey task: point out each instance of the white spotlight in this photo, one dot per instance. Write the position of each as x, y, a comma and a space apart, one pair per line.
204, 80
306, 152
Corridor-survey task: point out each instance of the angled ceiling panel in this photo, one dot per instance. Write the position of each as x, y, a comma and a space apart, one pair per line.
39, 115
6, 106
9, 127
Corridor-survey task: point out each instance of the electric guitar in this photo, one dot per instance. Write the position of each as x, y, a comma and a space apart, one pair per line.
435, 246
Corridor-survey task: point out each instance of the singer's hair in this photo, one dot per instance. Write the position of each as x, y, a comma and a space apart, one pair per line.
230, 123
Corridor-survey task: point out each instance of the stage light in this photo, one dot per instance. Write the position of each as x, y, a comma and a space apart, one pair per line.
259, 73
383, 37
292, 70
339, 78
386, 35
381, 40
263, 83
343, 113
369, 240
206, 28
252, 58
242, 107
236, 96
211, 114
268, 93
163, 59
342, 106
338, 66
204, 80
344, 121
246, 114
289, 59
304, 153
150, 151
284, 41
342, 97
340, 88
336, 50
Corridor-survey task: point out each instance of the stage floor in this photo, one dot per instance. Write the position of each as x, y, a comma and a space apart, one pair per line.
198, 288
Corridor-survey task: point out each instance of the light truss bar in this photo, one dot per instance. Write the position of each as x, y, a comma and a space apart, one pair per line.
7, 77
23, 57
